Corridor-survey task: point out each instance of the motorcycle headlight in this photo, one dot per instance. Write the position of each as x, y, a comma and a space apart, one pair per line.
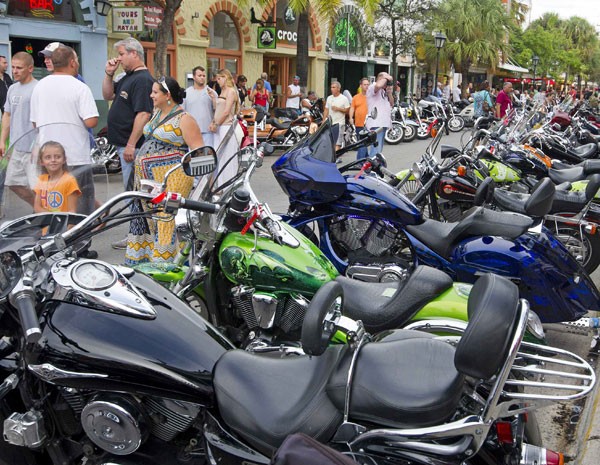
534, 325
416, 171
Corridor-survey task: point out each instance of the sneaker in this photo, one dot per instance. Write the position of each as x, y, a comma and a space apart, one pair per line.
122, 244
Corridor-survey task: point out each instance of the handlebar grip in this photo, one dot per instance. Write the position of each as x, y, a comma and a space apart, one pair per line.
200, 206
25, 303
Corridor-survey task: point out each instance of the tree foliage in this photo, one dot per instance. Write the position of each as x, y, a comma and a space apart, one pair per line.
399, 22
570, 47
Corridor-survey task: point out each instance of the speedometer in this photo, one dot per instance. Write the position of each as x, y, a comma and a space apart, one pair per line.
93, 275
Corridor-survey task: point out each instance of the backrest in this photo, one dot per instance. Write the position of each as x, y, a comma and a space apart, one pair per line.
493, 311
485, 192
540, 201
592, 187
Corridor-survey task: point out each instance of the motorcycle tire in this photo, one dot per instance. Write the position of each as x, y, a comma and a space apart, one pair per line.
586, 251
423, 131
456, 124
410, 133
395, 134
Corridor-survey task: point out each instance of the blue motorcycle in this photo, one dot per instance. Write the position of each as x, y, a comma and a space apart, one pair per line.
370, 231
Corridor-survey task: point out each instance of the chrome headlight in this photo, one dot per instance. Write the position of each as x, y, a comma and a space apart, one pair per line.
416, 171
301, 130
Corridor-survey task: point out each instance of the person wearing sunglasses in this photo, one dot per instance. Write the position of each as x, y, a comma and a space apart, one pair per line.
170, 133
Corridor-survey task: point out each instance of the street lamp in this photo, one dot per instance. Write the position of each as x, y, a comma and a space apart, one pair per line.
535, 60
102, 7
440, 40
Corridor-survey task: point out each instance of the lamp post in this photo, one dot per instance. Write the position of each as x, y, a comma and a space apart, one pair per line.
440, 40
535, 60
102, 7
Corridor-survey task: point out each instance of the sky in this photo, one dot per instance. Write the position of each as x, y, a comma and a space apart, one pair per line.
588, 9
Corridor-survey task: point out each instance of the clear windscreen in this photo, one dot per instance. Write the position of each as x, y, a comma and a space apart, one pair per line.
51, 178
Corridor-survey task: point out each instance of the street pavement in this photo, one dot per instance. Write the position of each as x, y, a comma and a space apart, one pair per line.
570, 428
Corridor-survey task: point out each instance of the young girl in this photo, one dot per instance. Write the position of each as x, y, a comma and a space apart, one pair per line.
56, 189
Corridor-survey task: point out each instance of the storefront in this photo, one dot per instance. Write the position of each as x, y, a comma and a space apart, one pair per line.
29, 26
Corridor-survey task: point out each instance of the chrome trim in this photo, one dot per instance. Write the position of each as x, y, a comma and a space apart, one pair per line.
49, 372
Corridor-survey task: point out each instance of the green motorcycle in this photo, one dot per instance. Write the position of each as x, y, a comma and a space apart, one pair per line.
253, 275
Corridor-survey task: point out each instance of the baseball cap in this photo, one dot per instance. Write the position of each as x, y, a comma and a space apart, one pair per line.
49, 49
296, 77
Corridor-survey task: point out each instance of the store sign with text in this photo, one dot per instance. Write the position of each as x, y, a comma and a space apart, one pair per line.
152, 16
128, 19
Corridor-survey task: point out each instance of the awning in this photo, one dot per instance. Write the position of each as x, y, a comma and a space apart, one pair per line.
513, 68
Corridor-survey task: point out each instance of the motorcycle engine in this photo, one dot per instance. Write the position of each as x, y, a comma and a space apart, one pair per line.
119, 424
377, 238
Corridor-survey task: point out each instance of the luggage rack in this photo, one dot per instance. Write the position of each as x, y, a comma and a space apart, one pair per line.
549, 373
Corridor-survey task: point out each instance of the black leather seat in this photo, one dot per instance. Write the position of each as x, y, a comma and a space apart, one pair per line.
383, 306
265, 399
585, 151
537, 204
478, 221
280, 123
567, 175
406, 380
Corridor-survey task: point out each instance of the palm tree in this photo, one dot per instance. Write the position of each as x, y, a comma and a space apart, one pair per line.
477, 32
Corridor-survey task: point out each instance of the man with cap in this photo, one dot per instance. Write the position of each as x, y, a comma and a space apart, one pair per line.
294, 95
64, 108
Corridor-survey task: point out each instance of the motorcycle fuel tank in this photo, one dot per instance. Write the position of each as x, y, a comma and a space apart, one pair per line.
269, 266
171, 355
372, 197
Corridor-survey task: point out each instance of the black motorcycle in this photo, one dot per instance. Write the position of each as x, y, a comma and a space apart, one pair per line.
102, 366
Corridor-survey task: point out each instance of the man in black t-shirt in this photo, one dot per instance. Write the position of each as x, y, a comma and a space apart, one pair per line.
6, 81
131, 108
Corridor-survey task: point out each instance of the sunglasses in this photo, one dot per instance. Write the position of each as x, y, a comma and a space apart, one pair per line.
163, 83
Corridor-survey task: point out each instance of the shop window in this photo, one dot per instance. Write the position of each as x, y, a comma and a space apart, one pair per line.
224, 49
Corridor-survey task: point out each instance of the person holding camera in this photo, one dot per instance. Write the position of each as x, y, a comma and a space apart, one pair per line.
380, 100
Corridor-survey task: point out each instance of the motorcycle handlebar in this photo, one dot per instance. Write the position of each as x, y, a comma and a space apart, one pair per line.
198, 206
24, 301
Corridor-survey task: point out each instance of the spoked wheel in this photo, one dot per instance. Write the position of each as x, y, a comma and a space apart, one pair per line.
423, 131
395, 134
410, 189
456, 123
410, 133
586, 249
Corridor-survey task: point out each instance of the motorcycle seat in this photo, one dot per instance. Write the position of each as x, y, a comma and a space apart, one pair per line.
426, 104
280, 123
537, 204
264, 399
584, 151
409, 379
478, 221
383, 306
560, 176
574, 201
406, 379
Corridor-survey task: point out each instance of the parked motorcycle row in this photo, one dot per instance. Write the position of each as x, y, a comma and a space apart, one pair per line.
354, 319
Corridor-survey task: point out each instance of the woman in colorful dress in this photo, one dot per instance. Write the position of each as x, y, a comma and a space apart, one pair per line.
170, 133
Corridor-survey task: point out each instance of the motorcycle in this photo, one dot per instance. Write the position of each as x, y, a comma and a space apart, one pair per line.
281, 132
101, 366
410, 127
362, 223
104, 154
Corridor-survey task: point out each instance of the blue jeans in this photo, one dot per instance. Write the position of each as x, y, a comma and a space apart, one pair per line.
379, 148
362, 152
127, 169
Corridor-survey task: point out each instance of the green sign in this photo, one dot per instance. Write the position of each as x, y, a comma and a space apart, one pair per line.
267, 37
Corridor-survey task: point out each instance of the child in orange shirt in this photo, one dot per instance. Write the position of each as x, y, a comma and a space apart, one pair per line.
56, 189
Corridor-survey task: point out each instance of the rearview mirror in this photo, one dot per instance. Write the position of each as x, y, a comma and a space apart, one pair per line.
200, 161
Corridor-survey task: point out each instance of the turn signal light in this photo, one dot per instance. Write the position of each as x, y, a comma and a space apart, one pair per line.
461, 170
434, 132
533, 455
554, 458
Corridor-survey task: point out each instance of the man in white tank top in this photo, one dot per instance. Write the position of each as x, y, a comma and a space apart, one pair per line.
294, 95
